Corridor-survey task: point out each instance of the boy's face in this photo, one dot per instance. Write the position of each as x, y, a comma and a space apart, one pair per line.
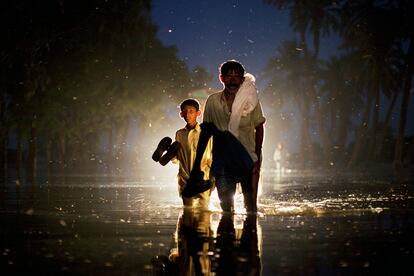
190, 114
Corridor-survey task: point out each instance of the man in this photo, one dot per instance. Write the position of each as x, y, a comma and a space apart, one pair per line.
246, 125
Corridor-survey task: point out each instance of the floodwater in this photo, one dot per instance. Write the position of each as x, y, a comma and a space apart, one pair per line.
310, 223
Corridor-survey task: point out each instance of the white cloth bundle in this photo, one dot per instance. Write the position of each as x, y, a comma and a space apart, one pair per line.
245, 101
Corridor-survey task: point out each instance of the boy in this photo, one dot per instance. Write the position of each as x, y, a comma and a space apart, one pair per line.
183, 151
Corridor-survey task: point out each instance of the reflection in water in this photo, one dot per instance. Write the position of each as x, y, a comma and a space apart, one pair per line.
200, 248
313, 224
237, 250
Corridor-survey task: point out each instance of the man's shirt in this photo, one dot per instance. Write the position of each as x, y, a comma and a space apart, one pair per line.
217, 112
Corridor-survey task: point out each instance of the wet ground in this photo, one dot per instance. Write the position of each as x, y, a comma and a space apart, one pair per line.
310, 223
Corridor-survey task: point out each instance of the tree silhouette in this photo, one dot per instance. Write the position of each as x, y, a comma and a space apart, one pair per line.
76, 75
376, 65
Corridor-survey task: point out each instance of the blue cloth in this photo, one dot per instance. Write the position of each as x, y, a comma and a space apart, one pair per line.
230, 160
231, 164
230, 157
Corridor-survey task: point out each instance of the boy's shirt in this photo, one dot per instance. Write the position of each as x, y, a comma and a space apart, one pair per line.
188, 138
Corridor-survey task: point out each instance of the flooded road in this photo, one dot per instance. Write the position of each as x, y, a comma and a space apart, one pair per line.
309, 224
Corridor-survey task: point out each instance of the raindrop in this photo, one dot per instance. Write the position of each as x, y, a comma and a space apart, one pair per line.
30, 212
343, 264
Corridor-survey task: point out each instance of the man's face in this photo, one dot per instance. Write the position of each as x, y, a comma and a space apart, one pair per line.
190, 114
232, 80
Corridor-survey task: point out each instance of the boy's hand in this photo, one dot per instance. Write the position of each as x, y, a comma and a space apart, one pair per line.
196, 175
196, 184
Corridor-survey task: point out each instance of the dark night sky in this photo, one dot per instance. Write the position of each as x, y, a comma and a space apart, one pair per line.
207, 33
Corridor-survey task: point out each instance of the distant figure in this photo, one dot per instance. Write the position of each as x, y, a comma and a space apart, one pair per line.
183, 151
277, 157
